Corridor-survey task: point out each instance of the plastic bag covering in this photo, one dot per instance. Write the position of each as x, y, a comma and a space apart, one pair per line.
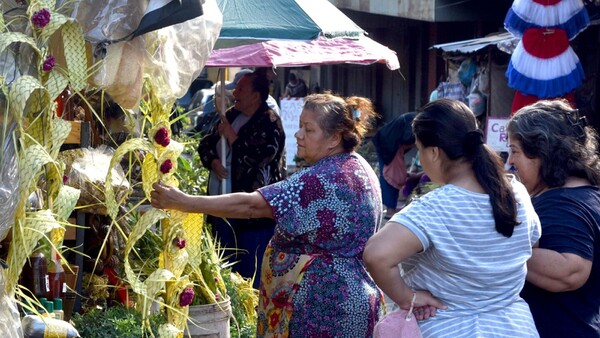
179, 52
173, 56
9, 181
10, 323
86, 169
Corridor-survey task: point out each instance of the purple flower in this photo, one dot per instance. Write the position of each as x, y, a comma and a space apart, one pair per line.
217, 297
166, 166
41, 18
162, 137
65, 179
179, 242
187, 296
49, 63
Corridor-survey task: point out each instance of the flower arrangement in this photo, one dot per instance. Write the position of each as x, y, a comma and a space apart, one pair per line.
36, 79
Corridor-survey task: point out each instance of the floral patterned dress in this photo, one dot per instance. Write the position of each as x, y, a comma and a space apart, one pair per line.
313, 281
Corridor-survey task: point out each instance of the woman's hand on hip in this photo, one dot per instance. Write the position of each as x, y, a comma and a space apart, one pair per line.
426, 305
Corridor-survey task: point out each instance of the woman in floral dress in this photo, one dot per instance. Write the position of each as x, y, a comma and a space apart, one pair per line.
313, 280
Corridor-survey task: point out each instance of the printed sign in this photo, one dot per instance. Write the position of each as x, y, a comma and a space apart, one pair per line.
496, 135
290, 109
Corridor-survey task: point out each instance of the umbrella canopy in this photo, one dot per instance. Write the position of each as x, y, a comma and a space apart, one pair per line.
245, 21
296, 53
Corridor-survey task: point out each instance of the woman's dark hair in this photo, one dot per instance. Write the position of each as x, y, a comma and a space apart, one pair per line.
260, 83
351, 117
555, 133
452, 126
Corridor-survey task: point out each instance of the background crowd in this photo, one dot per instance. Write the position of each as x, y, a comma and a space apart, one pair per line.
489, 253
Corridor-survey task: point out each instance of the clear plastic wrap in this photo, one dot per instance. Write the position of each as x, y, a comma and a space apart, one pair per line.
86, 169
178, 53
10, 323
9, 181
172, 56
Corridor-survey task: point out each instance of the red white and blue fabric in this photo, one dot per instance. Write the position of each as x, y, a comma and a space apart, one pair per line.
544, 65
521, 100
568, 15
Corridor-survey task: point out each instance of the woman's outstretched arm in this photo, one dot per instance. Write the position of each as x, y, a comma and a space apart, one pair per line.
236, 205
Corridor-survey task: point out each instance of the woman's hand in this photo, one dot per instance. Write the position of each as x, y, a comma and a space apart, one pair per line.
167, 197
426, 305
226, 130
218, 169
424, 312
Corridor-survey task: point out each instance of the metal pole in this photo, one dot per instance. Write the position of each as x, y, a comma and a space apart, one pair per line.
223, 140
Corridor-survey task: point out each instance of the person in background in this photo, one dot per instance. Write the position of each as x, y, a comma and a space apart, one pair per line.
391, 142
315, 88
314, 283
208, 124
256, 139
556, 157
295, 87
208, 120
274, 85
262, 72
463, 246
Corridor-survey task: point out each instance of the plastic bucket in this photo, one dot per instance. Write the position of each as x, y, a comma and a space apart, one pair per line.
209, 321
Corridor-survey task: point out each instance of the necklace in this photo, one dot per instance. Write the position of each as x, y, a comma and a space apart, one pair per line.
539, 191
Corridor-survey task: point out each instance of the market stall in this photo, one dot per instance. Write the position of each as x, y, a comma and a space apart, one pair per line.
489, 56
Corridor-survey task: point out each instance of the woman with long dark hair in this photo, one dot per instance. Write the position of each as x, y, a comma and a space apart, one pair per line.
463, 247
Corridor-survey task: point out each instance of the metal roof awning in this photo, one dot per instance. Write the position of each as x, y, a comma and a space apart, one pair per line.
475, 45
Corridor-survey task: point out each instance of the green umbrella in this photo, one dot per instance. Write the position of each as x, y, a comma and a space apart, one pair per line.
246, 21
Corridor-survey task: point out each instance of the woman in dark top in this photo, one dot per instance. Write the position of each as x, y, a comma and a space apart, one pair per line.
556, 157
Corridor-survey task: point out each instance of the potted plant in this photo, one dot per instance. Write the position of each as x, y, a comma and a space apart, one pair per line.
116, 321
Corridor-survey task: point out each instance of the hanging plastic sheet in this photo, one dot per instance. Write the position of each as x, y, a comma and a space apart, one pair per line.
9, 179
173, 56
10, 323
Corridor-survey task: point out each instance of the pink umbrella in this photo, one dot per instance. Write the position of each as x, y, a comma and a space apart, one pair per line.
297, 53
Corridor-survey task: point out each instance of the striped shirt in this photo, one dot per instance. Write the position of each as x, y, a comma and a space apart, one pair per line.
468, 265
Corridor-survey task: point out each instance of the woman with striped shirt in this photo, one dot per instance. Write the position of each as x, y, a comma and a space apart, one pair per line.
463, 247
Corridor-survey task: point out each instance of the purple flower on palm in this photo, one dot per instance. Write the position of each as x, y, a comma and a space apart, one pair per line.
162, 137
49, 63
179, 242
41, 18
166, 166
187, 296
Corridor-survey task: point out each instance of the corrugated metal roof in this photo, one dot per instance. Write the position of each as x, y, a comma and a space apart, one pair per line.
473, 45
